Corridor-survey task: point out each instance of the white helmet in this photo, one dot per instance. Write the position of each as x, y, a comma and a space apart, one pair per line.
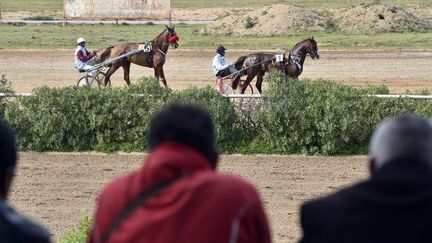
80, 40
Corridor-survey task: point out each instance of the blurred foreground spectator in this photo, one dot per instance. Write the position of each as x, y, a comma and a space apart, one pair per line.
13, 226
177, 196
394, 204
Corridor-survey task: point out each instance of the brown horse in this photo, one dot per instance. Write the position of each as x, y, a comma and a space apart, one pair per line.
257, 64
155, 60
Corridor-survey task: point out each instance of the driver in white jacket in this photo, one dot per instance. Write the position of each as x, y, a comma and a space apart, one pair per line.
82, 57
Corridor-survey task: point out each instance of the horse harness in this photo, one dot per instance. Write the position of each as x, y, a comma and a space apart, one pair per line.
296, 59
147, 48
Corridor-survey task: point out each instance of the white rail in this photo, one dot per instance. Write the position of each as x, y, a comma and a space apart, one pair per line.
259, 96
243, 96
15, 94
426, 97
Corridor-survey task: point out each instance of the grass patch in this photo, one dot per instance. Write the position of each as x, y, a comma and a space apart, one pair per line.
40, 18
50, 36
32, 5
80, 233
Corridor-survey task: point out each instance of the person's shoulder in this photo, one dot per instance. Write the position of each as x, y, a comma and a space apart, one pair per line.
19, 228
119, 184
338, 201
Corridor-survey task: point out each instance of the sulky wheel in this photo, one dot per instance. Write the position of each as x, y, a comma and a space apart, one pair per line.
89, 81
101, 80
224, 88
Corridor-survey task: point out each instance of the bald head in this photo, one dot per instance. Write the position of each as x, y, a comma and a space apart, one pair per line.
404, 137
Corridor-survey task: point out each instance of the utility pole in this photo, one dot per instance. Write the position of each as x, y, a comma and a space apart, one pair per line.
64, 15
1, 19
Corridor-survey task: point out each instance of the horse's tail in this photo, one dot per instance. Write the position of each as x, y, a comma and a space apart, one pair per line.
239, 63
239, 66
105, 54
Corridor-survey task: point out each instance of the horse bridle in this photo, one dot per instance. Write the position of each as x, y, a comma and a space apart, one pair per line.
171, 40
173, 34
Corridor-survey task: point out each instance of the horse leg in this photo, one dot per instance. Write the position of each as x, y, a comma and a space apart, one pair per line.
110, 72
126, 69
236, 81
258, 84
156, 73
162, 75
249, 78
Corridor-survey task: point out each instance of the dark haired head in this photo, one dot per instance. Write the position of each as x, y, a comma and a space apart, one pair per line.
186, 124
221, 50
8, 152
8, 158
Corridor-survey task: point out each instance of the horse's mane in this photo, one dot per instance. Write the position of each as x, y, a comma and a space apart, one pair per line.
157, 37
301, 42
105, 54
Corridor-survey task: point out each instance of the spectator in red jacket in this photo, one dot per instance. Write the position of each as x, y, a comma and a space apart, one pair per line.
177, 196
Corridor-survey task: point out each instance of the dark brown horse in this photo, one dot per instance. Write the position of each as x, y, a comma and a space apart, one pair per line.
257, 64
156, 59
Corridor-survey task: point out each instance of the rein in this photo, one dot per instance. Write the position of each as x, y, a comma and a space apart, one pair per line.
163, 53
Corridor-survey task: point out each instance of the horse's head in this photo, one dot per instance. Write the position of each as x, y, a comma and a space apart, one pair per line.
312, 48
172, 36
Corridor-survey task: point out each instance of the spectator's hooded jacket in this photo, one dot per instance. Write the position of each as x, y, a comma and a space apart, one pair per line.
200, 207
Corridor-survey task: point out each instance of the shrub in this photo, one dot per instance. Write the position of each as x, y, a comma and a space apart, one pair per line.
221, 110
77, 119
250, 22
323, 117
296, 116
79, 234
5, 88
330, 25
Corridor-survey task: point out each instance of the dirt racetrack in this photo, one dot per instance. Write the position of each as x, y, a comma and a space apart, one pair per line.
28, 69
59, 189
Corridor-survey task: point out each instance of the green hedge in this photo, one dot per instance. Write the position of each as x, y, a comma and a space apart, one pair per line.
77, 119
296, 116
224, 114
323, 117
6, 88
83, 119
